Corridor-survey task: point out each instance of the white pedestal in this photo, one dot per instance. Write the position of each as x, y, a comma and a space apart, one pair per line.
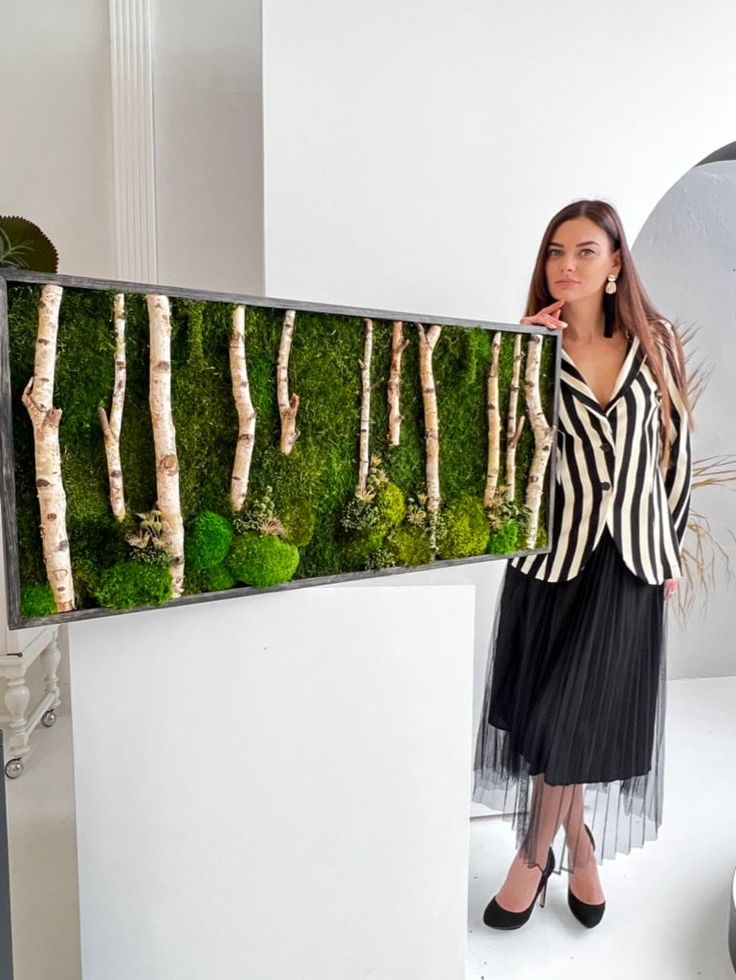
279, 787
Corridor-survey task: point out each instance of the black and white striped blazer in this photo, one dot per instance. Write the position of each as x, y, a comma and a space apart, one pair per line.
609, 475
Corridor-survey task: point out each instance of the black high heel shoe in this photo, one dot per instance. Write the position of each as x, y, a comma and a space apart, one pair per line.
497, 917
589, 915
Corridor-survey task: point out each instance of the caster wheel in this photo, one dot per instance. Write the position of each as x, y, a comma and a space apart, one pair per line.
49, 718
14, 768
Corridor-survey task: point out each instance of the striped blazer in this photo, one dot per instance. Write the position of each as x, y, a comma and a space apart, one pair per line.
609, 475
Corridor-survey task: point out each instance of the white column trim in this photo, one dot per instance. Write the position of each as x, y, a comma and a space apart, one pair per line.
131, 66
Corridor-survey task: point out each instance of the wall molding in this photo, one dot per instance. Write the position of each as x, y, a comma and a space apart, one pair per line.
131, 66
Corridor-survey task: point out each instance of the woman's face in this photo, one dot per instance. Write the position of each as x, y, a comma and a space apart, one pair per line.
579, 260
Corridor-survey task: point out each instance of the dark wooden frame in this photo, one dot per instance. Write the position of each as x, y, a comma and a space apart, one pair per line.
7, 459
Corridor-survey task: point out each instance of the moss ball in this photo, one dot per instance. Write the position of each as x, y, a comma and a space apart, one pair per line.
217, 579
37, 600
207, 541
411, 546
299, 524
131, 583
466, 530
262, 560
360, 546
391, 506
505, 540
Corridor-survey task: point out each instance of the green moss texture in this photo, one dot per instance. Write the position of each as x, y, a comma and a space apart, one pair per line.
312, 488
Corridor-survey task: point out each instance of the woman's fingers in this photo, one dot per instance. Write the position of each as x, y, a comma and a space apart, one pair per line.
670, 587
544, 320
548, 316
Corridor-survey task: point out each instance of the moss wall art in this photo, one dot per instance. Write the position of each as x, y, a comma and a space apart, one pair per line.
168, 445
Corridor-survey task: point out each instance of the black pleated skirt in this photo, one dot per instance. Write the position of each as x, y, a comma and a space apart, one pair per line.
575, 694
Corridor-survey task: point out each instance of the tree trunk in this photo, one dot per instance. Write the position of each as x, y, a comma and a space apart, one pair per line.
428, 338
164, 437
513, 429
287, 406
111, 427
38, 398
398, 346
365, 409
494, 424
543, 432
246, 412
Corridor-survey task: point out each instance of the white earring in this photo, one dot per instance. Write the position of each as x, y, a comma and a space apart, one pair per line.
611, 285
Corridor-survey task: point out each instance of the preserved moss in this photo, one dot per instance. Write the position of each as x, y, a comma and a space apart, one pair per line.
131, 584
505, 540
207, 541
262, 560
465, 530
37, 600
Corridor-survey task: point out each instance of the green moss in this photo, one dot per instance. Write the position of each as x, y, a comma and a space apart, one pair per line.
207, 541
505, 540
465, 529
299, 522
130, 584
218, 578
411, 546
542, 538
391, 505
37, 600
360, 546
262, 561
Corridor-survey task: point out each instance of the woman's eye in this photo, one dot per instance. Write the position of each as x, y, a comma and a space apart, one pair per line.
590, 250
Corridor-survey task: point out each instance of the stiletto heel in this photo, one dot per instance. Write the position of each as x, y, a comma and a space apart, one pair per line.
497, 917
589, 915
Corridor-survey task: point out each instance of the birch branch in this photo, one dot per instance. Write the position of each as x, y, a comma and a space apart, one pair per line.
398, 346
111, 427
365, 409
38, 398
245, 410
428, 338
164, 437
287, 406
494, 423
542, 437
513, 428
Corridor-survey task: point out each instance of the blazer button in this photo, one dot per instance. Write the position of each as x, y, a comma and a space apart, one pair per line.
606, 447
605, 486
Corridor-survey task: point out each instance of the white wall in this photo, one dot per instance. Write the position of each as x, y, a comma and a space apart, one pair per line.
209, 149
57, 127
415, 151
686, 253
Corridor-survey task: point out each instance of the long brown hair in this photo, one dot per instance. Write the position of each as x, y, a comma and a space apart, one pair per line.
634, 312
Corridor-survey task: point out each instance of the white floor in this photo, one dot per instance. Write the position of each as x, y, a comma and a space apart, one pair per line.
667, 904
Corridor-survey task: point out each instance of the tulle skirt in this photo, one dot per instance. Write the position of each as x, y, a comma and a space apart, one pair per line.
572, 724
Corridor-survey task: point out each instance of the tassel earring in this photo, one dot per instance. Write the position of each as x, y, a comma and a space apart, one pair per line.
609, 307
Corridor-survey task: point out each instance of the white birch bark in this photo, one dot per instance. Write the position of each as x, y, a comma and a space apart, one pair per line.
38, 398
111, 426
543, 432
428, 337
494, 423
164, 437
245, 410
398, 345
365, 409
513, 428
287, 406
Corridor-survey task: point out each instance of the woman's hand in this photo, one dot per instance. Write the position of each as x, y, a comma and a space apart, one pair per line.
670, 587
547, 317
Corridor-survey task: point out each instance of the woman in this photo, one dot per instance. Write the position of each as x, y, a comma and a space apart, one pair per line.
575, 684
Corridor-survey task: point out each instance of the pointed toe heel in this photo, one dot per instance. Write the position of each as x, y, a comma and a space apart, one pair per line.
588, 915
497, 917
